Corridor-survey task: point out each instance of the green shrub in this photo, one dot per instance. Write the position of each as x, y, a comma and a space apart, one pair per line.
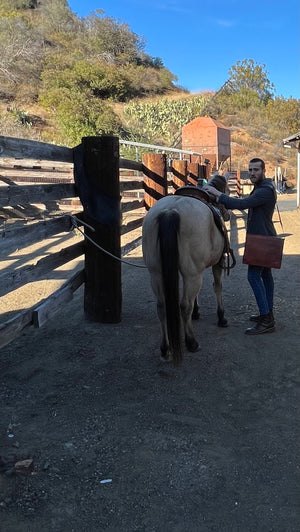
81, 115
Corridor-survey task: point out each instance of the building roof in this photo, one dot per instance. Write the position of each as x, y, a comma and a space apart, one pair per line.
292, 139
206, 121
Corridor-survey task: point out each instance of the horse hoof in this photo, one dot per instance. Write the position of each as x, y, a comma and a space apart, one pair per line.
223, 323
198, 348
165, 357
193, 347
164, 360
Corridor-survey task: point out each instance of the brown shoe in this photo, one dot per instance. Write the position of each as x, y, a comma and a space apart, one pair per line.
264, 325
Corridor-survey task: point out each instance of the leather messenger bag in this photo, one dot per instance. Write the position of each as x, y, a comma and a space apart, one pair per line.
261, 250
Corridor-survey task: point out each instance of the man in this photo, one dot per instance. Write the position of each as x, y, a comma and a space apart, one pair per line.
260, 205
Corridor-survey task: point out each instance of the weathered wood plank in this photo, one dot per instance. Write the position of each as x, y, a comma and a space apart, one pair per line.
17, 166
13, 195
26, 163
58, 179
131, 205
36, 315
130, 165
16, 238
53, 303
12, 280
131, 185
131, 246
13, 327
49, 308
134, 224
31, 149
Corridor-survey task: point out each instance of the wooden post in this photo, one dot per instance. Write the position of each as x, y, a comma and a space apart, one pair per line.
155, 177
103, 293
204, 171
179, 173
193, 173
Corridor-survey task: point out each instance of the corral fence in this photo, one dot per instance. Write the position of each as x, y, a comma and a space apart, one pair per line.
111, 196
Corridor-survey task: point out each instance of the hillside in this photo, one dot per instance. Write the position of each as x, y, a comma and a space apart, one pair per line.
244, 147
41, 125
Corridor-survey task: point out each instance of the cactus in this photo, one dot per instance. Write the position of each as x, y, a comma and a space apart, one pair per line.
163, 119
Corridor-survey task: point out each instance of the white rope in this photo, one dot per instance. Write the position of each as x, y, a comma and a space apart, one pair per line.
75, 225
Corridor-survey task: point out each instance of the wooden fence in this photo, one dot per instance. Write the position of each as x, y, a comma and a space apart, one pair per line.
92, 173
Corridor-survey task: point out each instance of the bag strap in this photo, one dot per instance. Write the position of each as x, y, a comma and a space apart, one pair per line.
275, 196
279, 217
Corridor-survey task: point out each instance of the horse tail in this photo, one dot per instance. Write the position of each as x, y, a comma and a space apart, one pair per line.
168, 227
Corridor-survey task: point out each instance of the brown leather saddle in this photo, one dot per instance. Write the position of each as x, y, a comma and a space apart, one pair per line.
194, 192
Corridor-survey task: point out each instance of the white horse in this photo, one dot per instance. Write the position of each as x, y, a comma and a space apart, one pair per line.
180, 236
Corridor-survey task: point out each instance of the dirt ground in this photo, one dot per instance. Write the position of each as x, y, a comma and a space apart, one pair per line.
121, 442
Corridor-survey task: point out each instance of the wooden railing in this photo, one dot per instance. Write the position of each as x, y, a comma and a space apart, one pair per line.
105, 197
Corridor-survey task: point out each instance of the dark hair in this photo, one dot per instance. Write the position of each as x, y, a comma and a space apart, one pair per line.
257, 160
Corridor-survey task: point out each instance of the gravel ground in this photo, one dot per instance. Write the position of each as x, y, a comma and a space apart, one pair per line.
118, 442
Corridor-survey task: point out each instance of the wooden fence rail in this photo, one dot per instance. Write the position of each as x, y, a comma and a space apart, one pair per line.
102, 194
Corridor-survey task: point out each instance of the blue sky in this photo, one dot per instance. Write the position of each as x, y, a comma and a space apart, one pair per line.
199, 40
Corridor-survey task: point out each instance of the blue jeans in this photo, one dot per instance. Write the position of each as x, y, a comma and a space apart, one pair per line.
262, 284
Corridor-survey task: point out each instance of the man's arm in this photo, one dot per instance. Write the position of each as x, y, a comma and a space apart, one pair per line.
259, 197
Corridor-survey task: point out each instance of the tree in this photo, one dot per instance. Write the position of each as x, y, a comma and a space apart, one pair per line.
250, 76
114, 39
285, 114
57, 18
21, 55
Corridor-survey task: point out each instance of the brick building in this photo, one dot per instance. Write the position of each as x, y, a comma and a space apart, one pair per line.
209, 137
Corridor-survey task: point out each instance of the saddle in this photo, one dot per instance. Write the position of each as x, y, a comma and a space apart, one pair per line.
194, 192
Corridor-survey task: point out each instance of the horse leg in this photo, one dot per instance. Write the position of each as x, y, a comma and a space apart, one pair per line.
191, 288
157, 287
196, 312
217, 273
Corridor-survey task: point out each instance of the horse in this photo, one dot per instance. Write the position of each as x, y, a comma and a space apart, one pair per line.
180, 238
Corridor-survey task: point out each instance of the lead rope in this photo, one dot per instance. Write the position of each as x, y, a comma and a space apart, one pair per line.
75, 221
